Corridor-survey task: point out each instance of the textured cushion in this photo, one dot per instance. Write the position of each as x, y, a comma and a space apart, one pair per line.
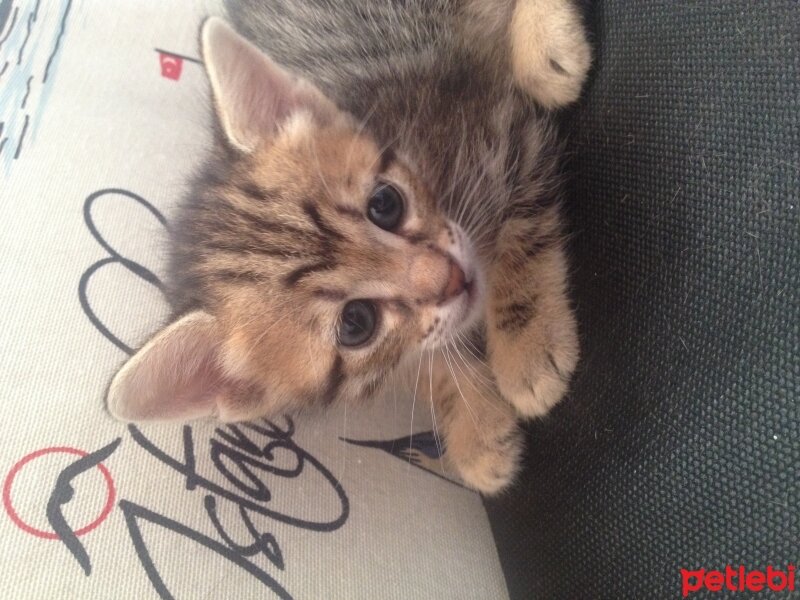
680, 443
93, 161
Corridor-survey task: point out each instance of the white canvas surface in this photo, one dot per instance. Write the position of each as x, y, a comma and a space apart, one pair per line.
95, 155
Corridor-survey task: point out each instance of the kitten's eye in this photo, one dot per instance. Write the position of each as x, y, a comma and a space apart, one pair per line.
357, 322
385, 207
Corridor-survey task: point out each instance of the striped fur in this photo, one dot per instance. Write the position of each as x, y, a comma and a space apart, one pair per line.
434, 97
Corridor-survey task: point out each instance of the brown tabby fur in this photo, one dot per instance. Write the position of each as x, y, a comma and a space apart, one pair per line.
274, 240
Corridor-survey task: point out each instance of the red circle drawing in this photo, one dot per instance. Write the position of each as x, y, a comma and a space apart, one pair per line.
49, 535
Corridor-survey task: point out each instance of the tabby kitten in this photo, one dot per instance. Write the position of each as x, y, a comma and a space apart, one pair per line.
383, 200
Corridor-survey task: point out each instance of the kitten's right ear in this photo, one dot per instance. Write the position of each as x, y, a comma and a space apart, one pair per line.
176, 375
252, 94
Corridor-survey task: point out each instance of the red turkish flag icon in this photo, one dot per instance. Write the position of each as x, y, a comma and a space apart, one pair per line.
171, 65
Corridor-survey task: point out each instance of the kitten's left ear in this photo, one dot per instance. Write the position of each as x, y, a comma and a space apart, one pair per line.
252, 94
177, 375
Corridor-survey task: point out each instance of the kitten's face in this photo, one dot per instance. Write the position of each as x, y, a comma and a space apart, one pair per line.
371, 271
322, 260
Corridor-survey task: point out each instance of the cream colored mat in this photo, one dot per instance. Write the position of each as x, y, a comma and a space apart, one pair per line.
105, 113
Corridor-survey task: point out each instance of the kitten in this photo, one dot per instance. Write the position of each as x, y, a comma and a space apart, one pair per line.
383, 200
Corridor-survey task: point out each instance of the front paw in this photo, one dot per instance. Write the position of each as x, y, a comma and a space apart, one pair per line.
488, 468
533, 364
550, 55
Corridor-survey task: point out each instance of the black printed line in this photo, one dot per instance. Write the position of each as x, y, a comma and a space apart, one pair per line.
135, 513
3, 143
63, 493
5, 10
83, 296
31, 19
58, 40
193, 479
114, 258
89, 220
3, 70
176, 55
27, 91
11, 27
265, 543
22, 137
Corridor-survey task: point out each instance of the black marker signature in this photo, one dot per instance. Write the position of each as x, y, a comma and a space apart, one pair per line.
114, 257
63, 492
134, 512
252, 454
255, 495
243, 455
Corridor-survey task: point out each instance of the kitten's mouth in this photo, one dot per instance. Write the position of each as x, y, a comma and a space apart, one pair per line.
457, 284
467, 302
463, 294
460, 285
470, 291
473, 294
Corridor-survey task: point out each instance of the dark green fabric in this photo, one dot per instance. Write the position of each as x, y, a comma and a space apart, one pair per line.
680, 443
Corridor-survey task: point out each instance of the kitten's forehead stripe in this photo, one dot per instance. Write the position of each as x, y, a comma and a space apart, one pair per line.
251, 247
322, 225
261, 223
255, 191
293, 278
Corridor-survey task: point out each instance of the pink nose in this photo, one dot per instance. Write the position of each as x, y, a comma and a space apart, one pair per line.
456, 282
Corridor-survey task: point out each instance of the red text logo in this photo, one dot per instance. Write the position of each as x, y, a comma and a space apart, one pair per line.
738, 580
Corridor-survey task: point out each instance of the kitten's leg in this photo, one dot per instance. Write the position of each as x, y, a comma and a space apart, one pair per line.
532, 336
482, 439
550, 55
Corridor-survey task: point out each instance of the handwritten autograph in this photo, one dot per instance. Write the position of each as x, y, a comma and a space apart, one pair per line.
251, 447
243, 455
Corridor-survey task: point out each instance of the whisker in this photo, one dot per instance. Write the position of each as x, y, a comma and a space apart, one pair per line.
472, 374
433, 413
474, 370
458, 387
414, 403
